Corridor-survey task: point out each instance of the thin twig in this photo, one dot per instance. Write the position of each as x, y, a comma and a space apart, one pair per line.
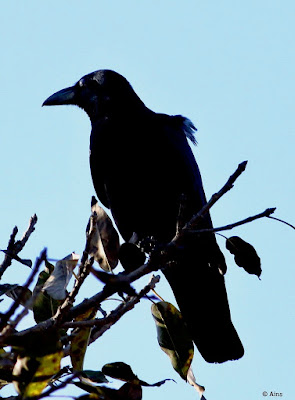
21, 243
28, 263
123, 308
216, 196
7, 260
84, 270
284, 222
5, 318
265, 213
14, 247
101, 325
53, 389
28, 305
158, 260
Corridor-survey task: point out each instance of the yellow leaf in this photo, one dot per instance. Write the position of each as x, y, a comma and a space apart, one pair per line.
34, 373
80, 340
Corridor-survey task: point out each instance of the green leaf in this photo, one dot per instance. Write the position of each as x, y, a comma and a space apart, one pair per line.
17, 292
80, 340
245, 255
44, 306
14, 291
173, 336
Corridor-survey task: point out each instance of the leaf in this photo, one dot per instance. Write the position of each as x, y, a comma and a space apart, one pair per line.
34, 373
156, 384
104, 246
44, 306
173, 336
17, 292
35, 343
119, 370
6, 367
130, 391
57, 282
192, 381
38, 360
7, 287
93, 376
245, 255
80, 340
26, 262
97, 392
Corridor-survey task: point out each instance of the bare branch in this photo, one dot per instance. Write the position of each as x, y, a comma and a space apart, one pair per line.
5, 318
263, 214
7, 260
21, 243
216, 196
54, 388
14, 247
119, 311
84, 270
158, 259
101, 325
283, 222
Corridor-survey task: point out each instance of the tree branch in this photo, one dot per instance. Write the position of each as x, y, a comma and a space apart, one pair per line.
265, 213
84, 270
14, 247
158, 259
118, 312
7, 329
215, 197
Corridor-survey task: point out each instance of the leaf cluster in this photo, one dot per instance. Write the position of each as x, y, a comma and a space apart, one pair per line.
31, 359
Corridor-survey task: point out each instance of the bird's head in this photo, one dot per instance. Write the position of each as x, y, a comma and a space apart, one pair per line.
100, 93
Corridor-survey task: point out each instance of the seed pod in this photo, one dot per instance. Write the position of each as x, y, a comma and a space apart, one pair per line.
131, 256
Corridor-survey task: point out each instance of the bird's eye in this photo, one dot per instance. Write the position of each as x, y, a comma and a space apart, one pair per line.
92, 84
81, 82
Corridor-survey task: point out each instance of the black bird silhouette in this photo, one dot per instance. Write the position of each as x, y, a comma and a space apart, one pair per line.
141, 166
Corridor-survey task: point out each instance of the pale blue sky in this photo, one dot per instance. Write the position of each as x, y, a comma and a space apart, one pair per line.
229, 67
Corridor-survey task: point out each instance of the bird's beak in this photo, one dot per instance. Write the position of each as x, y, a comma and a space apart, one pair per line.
64, 96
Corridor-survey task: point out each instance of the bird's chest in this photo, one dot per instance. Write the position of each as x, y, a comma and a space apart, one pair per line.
136, 176
124, 155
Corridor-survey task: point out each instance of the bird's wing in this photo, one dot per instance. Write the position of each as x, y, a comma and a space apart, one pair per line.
97, 160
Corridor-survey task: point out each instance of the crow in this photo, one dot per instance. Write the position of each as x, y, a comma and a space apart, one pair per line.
142, 166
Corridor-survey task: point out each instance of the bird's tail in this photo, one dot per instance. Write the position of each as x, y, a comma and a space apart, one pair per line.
199, 289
